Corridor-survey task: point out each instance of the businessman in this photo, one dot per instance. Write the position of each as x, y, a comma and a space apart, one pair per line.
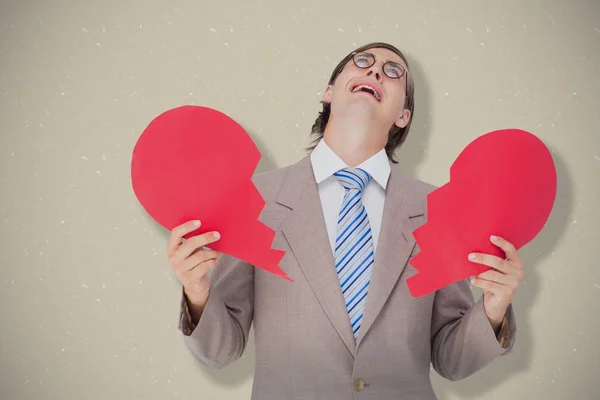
347, 327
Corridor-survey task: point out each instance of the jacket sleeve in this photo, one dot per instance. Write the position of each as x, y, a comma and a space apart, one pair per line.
463, 340
221, 334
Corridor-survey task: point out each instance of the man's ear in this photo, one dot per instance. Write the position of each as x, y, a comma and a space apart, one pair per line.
403, 118
327, 94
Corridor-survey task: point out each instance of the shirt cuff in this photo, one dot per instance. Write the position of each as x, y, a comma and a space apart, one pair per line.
504, 335
186, 325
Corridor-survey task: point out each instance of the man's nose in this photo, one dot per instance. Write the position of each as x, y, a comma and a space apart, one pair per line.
376, 70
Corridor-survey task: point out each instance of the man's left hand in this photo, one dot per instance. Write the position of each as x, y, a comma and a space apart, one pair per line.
499, 283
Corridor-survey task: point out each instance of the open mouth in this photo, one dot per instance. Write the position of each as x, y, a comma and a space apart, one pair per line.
367, 89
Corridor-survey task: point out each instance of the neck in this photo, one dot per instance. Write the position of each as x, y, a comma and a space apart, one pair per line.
353, 141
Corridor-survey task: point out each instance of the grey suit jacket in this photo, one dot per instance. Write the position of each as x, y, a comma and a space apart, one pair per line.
305, 348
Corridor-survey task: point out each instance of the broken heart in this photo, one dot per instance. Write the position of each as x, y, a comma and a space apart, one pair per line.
503, 183
194, 162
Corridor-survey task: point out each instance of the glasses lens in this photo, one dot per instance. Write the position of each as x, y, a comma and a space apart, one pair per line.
393, 70
363, 60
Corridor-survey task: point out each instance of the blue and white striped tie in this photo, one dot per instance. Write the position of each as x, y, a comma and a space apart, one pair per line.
354, 255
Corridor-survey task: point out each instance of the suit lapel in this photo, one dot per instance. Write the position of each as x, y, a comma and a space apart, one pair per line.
394, 247
306, 233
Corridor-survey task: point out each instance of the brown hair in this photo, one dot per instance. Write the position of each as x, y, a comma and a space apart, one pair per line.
396, 135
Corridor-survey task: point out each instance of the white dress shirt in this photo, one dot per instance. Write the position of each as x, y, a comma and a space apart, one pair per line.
325, 163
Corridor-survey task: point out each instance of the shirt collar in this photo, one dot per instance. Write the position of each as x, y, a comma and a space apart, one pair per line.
326, 162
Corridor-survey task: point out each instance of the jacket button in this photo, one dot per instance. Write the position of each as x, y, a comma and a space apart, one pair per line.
359, 385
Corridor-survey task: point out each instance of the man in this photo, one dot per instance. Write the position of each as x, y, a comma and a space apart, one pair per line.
347, 327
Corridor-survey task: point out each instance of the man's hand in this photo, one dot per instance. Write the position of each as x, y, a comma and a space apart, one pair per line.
191, 262
500, 283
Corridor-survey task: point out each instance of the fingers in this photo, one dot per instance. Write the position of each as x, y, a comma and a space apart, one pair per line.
487, 285
202, 269
199, 258
193, 243
509, 250
489, 260
505, 275
178, 233
504, 267
499, 284
496, 277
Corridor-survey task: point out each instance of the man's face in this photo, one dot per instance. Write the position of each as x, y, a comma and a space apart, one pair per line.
384, 108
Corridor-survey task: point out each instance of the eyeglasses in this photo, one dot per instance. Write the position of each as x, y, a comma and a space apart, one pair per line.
391, 69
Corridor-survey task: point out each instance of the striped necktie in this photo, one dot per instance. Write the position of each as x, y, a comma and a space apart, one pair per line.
354, 255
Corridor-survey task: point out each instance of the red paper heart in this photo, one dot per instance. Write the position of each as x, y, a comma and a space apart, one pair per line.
194, 162
503, 183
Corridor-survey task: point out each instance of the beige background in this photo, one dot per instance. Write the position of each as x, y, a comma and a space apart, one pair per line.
88, 305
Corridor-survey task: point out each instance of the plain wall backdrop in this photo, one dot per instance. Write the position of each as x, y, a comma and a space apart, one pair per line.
88, 303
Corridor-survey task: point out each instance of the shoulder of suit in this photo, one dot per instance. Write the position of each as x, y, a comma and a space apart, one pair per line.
269, 183
422, 187
418, 187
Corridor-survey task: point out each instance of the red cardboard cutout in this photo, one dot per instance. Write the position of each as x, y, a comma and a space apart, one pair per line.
194, 162
503, 183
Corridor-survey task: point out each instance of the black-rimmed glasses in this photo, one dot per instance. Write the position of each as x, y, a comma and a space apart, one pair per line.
391, 69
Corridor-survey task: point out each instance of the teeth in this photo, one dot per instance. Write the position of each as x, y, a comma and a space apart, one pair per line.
357, 88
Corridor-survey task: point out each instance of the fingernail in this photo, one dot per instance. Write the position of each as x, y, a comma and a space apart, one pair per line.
471, 256
494, 238
196, 223
216, 235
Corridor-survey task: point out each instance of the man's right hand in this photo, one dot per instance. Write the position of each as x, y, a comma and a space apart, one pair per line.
191, 262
